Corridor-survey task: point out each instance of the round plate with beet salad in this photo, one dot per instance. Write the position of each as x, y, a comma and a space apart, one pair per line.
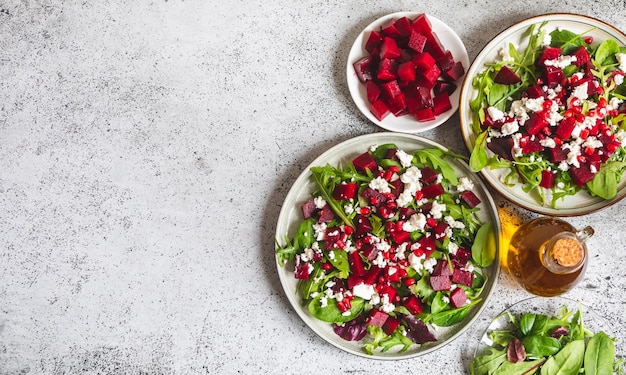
386, 245
543, 114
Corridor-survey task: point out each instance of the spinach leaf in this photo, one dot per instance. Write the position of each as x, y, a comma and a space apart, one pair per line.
340, 261
541, 346
568, 361
438, 304
448, 318
488, 362
331, 313
607, 48
533, 324
604, 183
521, 368
484, 246
600, 355
566, 40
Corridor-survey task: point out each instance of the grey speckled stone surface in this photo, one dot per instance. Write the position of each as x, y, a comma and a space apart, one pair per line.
145, 151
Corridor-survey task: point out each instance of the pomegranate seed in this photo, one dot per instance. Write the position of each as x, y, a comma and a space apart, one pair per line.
584, 133
327, 266
418, 252
410, 281
394, 169
387, 175
381, 280
348, 230
546, 105
588, 39
589, 150
383, 211
365, 211
419, 195
558, 141
613, 146
374, 201
602, 102
431, 222
581, 159
574, 79
389, 197
396, 299
340, 244
403, 262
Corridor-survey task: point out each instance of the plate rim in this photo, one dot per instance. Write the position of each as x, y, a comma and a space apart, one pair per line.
357, 92
286, 211
592, 204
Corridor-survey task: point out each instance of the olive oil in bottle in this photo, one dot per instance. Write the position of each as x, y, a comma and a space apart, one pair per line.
547, 256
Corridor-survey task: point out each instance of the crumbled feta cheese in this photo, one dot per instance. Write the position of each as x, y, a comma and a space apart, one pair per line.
319, 202
509, 127
411, 176
452, 248
348, 208
320, 231
505, 55
429, 264
465, 184
548, 142
621, 59
364, 291
380, 184
534, 104
416, 261
323, 301
561, 62
453, 223
387, 306
437, 209
416, 222
495, 114
405, 159
445, 299
547, 39
580, 91
618, 79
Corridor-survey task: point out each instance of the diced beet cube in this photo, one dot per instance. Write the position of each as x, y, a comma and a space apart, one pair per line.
549, 53
364, 162
391, 88
397, 105
565, 128
582, 56
447, 62
363, 68
547, 179
427, 245
440, 230
373, 42
581, 175
532, 145
380, 109
461, 257
442, 268
387, 289
417, 42
554, 75
397, 186
422, 95
424, 114
444, 86
535, 92
387, 70
455, 72
404, 27
433, 191
406, 212
371, 277
369, 251
429, 175
422, 24
357, 266
431, 76
308, 209
372, 90
344, 192
399, 236
535, 124
557, 154
377, 318
506, 76
470, 198
389, 49
391, 325
434, 46
414, 305
424, 61
440, 282
441, 103
354, 280
458, 297
462, 277
375, 197
331, 236
406, 71
389, 29
363, 226
326, 214
301, 270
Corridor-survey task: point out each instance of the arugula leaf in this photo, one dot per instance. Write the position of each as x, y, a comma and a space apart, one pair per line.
435, 158
478, 158
488, 363
566, 40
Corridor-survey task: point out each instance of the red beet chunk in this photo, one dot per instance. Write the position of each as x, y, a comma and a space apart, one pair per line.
547, 179
429, 175
421, 24
389, 49
532, 146
406, 212
549, 53
431, 75
398, 105
424, 114
391, 89
369, 251
375, 197
557, 154
371, 276
389, 29
565, 128
414, 305
442, 268
444, 86
458, 297
535, 124
582, 56
397, 186
581, 175
506, 76
372, 90
427, 245
357, 266
554, 75
391, 325
417, 42
455, 72
326, 214
440, 230
365, 162
344, 192
377, 318
462, 277
422, 95
433, 191
502, 146
470, 198
441, 103
331, 236
434, 46
404, 27
354, 280
373, 42
447, 62
440, 282
388, 290
363, 68
461, 257
387, 70
535, 92
407, 72
424, 61
308, 209
399, 236
380, 109
301, 270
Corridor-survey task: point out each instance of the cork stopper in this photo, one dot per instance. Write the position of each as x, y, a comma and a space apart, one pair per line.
567, 252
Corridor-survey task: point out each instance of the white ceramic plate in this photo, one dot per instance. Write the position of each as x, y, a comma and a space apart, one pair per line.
581, 203
404, 124
290, 217
548, 306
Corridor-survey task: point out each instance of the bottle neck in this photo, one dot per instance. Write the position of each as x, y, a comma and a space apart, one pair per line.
564, 253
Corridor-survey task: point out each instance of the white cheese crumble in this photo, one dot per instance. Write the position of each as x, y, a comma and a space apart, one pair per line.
319, 202
465, 184
495, 114
621, 59
405, 159
561, 62
437, 209
416, 222
364, 291
380, 184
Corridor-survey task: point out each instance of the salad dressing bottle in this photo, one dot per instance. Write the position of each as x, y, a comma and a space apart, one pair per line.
547, 256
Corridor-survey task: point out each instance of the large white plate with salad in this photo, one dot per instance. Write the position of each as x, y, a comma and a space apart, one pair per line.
387, 246
548, 336
542, 112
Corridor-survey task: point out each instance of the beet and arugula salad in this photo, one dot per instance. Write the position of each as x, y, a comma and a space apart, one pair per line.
389, 247
553, 114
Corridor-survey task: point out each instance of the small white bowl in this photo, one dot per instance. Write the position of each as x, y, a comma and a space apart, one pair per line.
405, 124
